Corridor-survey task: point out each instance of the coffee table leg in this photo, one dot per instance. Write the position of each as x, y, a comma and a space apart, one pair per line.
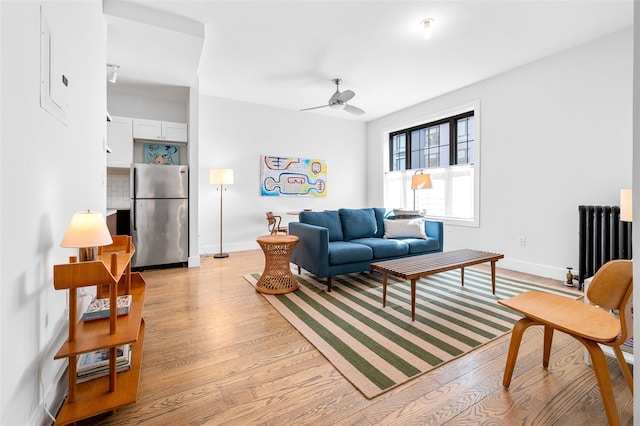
413, 299
462, 276
493, 277
384, 289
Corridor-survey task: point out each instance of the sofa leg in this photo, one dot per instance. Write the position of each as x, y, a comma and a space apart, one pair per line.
329, 284
298, 269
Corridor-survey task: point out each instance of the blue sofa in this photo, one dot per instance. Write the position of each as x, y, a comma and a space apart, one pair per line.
343, 241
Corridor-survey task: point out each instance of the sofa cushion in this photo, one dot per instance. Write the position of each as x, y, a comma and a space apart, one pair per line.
403, 228
329, 219
418, 245
341, 252
380, 213
385, 248
358, 223
406, 214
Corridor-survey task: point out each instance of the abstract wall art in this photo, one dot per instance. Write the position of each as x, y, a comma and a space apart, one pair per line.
161, 154
293, 176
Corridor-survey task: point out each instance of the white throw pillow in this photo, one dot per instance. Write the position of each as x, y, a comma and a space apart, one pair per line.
404, 228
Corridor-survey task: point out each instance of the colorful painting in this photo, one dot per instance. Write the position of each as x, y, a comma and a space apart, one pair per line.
289, 176
155, 153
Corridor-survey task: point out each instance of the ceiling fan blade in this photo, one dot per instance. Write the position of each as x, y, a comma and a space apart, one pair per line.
346, 95
353, 110
321, 106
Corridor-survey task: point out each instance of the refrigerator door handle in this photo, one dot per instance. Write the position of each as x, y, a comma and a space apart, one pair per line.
135, 215
135, 182
133, 203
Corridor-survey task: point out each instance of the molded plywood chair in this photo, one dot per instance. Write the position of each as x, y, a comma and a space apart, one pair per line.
274, 224
610, 290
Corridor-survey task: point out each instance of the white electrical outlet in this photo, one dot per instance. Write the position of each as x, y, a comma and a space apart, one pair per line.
522, 240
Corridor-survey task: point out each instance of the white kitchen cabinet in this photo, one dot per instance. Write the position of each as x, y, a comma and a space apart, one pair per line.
165, 131
120, 141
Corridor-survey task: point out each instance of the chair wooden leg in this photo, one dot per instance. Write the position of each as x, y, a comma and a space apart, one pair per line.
546, 353
601, 371
624, 367
328, 284
514, 346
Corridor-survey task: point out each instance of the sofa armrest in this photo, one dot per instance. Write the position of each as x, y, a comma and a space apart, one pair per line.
435, 229
312, 251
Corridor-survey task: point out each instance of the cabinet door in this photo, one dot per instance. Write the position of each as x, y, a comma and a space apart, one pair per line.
120, 140
174, 132
147, 129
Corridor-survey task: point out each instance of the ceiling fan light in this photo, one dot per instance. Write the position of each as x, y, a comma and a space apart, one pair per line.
336, 106
426, 27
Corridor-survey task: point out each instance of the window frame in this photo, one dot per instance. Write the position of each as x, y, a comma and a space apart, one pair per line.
408, 151
420, 121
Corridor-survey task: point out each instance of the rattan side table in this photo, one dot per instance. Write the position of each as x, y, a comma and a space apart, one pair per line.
277, 277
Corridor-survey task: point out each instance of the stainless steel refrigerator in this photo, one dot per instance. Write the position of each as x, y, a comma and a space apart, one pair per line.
159, 214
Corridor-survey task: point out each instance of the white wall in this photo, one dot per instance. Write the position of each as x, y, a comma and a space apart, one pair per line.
555, 134
235, 134
152, 102
48, 171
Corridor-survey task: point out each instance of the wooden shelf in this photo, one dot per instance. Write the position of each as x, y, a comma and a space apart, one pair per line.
94, 335
111, 274
93, 396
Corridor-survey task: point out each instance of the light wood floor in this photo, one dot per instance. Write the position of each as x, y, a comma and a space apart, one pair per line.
216, 352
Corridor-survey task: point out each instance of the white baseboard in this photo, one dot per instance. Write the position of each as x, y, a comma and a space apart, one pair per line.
533, 268
229, 248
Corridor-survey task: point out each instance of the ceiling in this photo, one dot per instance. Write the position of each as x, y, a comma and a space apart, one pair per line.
286, 53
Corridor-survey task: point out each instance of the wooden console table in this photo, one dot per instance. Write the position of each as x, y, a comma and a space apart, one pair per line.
415, 267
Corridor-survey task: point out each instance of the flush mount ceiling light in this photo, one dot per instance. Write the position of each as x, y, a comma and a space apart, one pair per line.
112, 75
427, 24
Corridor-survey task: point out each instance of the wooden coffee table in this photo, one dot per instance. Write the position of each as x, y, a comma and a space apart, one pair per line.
415, 267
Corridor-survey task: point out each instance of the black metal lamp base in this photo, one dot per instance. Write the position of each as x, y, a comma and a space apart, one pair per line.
221, 255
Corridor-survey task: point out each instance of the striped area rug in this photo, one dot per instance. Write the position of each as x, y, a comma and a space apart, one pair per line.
377, 348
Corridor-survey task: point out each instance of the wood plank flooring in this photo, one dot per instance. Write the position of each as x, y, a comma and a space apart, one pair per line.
216, 352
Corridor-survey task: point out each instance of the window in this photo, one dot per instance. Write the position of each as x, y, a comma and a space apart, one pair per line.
446, 148
440, 143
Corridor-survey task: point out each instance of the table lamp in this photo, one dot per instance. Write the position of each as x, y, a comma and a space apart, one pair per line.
221, 177
86, 231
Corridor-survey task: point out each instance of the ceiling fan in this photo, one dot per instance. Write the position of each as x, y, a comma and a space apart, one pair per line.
339, 100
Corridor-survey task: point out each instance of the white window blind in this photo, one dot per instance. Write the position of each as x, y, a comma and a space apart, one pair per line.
451, 197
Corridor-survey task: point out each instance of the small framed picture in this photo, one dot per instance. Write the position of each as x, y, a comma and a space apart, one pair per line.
155, 153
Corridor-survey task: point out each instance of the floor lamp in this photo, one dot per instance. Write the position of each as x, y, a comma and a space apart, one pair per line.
221, 177
420, 180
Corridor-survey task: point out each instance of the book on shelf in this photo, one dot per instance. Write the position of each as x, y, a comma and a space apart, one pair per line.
101, 373
99, 308
91, 365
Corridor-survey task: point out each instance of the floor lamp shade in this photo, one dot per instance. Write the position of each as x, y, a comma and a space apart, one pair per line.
421, 181
221, 177
86, 231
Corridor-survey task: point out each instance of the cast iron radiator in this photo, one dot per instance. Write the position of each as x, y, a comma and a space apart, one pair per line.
602, 237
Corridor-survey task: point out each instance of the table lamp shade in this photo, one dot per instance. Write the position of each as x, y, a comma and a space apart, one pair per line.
421, 181
221, 176
86, 229
626, 205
